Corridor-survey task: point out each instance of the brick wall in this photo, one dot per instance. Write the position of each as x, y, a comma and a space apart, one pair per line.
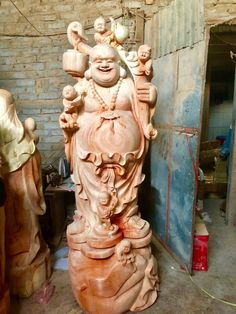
219, 11
30, 63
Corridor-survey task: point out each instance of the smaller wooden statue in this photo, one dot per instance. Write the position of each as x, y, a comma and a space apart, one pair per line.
140, 65
28, 256
4, 292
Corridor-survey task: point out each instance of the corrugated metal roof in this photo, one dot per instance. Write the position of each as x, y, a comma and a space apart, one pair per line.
178, 25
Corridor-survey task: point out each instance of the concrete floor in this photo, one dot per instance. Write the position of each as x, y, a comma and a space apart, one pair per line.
179, 294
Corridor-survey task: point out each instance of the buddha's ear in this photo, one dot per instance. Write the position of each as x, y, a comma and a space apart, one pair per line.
88, 74
123, 73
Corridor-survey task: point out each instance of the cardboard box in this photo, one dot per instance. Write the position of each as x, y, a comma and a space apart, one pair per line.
200, 247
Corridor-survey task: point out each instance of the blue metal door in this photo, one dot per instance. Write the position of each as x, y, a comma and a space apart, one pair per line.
180, 83
179, 42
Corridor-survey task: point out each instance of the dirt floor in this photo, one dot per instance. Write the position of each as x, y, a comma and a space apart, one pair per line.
180, 293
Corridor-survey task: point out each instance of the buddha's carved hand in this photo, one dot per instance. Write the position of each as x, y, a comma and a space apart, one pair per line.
147, 93
67, 123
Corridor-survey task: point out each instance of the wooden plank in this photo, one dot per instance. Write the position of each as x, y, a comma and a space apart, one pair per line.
231, 195
139, 34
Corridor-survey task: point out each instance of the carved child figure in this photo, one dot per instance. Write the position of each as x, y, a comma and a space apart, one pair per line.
102, 34
145, 62
106, 207
72, 101
143, 76
68, 119
124, 252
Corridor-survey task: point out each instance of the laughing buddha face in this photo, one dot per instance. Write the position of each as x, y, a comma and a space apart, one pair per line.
105, 70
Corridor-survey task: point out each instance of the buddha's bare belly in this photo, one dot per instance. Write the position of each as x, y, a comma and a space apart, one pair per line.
115, 132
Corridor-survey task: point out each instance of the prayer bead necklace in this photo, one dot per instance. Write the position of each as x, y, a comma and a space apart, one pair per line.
101, 102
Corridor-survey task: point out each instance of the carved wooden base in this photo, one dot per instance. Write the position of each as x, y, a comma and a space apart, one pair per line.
24, 281
117, 278
5, 302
